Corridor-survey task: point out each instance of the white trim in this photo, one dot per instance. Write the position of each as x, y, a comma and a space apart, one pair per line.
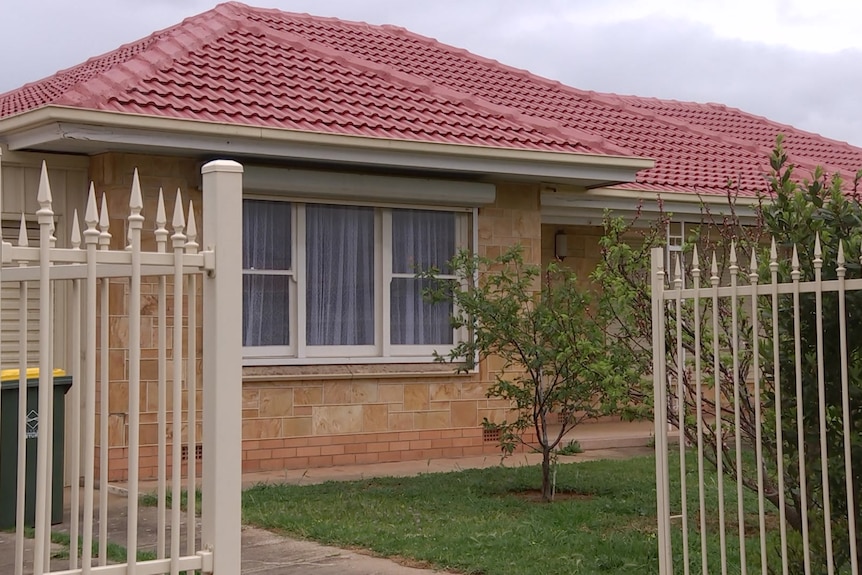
386, 284
299, 351
301, 275
335, 360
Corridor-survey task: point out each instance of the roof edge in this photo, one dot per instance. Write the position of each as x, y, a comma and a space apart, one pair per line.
45, 115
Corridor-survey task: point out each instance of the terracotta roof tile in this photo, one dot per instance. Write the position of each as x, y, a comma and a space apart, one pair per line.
242, 65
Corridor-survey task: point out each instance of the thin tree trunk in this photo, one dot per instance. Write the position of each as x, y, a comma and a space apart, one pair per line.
547, 493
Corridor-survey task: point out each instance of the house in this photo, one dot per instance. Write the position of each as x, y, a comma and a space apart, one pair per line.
367, 150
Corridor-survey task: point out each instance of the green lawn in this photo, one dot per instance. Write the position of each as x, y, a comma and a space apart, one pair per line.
486, 521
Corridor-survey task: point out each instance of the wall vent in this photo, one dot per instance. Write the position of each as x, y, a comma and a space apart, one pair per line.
490, 435
199, 452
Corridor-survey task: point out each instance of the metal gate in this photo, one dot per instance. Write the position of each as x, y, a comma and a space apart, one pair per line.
754, 374
90, 275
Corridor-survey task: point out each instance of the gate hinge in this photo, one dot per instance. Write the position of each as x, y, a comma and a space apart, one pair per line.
209, 261
206, 561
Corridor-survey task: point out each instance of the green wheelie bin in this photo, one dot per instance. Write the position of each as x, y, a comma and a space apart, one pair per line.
10, 385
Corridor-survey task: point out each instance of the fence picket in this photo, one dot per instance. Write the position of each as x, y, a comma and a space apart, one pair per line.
91, 239
161, 234
821, 401
796, 275
845, 408
45, 216
178, 240
698, 375
104, 385
75, 399
758, 417
779, 434
191, 384
23, 241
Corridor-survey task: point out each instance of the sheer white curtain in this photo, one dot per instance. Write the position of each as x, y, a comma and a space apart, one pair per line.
340, 275
421, 239
266, 256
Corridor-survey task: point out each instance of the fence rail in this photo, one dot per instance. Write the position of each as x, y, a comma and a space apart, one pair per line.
757, 377
85, 274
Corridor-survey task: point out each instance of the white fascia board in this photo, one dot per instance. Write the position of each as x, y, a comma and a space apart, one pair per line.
573, 208
59, 126
10, 158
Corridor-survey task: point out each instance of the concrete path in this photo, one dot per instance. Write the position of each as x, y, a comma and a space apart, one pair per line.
266, 553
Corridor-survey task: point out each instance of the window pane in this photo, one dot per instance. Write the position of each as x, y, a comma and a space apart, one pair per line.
414, 320
340, 279
422, 239
265, 306
266, 235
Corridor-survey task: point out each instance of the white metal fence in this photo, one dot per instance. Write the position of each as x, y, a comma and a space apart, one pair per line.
176, 270
759, 380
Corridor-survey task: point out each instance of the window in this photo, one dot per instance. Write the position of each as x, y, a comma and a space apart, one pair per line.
268, 287
675, 240
337, 282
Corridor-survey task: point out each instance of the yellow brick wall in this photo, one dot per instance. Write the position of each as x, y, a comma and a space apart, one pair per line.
314, 415
583, 247
112, 174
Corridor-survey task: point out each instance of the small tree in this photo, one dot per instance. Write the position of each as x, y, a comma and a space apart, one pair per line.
793, 212
556, 370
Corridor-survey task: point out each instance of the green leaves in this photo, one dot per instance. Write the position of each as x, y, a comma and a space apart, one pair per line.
548, 334
793, 211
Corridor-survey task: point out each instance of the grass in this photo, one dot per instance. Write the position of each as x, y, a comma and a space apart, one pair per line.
152, 500
116, 553
571, 448
488, 521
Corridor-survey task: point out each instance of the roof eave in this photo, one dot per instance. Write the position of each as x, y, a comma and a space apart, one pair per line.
588, 208
58, 128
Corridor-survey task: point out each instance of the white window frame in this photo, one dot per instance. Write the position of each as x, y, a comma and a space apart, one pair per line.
382, 351
270, 351
462, 227
674, 243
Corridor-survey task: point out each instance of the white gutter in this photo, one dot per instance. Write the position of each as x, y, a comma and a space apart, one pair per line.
49, 124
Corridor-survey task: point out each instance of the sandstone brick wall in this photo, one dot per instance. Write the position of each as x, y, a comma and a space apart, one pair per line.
112, 173
302, 416
583, 246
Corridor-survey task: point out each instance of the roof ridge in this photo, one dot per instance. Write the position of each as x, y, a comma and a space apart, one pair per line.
183, 37
596, 142
615, 101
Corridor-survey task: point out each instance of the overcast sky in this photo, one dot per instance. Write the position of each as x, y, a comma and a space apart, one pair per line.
794, 61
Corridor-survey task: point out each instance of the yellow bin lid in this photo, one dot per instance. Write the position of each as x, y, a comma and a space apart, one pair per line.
32, 373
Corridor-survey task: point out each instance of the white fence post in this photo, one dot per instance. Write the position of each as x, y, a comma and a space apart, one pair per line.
222, 367
657, 274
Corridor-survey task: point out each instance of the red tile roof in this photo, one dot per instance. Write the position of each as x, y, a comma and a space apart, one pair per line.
260, 67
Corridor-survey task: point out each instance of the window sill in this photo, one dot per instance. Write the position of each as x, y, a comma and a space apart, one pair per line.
378, 370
